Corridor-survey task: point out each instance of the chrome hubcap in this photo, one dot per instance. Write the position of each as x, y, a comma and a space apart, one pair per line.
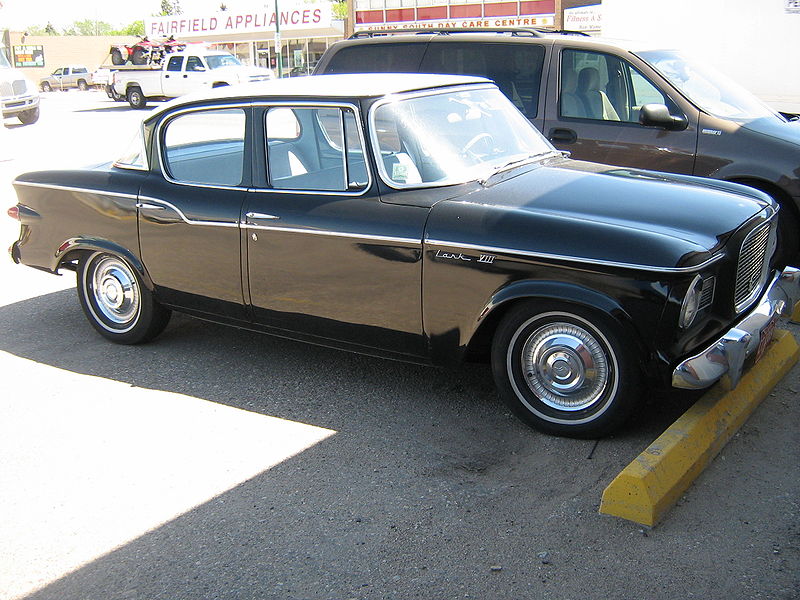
115, 291
565, 366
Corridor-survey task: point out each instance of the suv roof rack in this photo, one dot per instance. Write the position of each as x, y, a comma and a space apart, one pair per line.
433, 31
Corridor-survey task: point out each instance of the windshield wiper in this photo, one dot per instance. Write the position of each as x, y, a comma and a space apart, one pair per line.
512, 164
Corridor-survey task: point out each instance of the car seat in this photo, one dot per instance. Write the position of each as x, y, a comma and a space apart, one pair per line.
595, 101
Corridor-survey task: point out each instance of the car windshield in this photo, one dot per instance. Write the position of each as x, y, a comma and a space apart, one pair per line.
706, 87
216, 61
3, 60
452, 136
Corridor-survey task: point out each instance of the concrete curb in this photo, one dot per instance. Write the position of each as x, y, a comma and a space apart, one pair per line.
648, 487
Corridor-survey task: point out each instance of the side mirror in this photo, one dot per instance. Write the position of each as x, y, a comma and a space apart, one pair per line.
658, 115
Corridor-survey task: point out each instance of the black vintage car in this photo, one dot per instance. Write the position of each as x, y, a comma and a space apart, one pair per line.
421, 218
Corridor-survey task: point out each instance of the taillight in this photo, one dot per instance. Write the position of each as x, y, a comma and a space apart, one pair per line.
13, 212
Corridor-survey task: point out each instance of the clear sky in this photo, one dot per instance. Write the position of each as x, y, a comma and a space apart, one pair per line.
19, 14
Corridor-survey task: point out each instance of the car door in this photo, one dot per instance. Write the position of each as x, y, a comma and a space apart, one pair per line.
189, 209
593, 105
58, 78
172, 79
325, 257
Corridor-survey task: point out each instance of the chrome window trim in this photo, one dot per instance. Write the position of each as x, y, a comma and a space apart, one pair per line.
341, 234
373, 132
183, 217
143, 153
204, 108
578, 259
69, 188
312, 104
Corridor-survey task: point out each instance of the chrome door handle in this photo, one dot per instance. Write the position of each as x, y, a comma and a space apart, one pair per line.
258, 215
150, 206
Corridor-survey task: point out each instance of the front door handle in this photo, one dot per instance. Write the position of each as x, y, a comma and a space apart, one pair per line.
258, 215
565, 136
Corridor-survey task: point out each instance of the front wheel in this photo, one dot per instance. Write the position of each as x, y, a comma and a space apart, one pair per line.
565, 372
28, 117
116, 303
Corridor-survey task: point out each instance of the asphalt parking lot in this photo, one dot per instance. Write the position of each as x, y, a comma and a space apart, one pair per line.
219, 463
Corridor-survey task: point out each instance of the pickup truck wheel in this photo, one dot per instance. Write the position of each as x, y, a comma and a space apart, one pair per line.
135, 98
565, 372
82, 86
46, 87
116, 303
29, 116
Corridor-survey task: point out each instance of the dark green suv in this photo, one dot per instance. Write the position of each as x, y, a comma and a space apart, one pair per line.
610, 102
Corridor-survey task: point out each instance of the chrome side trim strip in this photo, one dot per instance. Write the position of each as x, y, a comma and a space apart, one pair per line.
68, 188
183, 217
578, 259
340, 234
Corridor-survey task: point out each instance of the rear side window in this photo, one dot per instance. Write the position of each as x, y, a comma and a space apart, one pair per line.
515, 68
206, 147
377, 58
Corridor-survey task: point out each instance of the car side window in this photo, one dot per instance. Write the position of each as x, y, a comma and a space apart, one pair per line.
175, 63
603, 87
205, 147
377, 58
315, 148
58, 72
515, 68
193, 63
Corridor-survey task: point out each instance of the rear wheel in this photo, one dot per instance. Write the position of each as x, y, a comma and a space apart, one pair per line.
135, 98
565, 372
116, 303
82, 85
117, 58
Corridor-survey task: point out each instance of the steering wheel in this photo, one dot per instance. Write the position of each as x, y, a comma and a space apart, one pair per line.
481, 137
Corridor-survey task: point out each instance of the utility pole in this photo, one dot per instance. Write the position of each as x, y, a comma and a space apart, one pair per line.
278, 49
558, 20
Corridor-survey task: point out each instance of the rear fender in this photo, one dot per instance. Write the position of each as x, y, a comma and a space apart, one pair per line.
75, 248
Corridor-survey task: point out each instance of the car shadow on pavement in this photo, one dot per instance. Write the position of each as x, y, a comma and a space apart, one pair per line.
427, 487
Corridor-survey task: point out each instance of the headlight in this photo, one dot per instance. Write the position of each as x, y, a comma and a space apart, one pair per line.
691, 303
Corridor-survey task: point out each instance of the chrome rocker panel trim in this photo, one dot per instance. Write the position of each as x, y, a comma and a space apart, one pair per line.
726, 357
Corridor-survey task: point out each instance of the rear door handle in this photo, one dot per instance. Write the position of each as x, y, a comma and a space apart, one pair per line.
149, 206
565, 136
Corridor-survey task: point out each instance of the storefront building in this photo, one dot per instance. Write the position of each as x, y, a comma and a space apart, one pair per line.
451, 14
306, 30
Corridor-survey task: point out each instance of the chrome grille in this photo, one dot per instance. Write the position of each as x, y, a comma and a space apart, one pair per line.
707, 292
750, 270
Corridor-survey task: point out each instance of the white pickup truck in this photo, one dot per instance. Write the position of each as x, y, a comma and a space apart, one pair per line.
181, 73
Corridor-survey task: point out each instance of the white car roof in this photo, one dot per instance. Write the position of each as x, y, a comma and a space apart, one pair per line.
359, 85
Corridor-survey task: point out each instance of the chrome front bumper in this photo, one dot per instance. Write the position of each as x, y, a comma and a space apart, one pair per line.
725, 358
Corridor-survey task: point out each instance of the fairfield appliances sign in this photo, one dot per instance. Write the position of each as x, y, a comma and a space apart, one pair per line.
292, 17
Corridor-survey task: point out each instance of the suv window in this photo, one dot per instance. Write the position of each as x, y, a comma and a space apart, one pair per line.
315, 148
206, 147
603, 87
377, 58
175, 63
515, 68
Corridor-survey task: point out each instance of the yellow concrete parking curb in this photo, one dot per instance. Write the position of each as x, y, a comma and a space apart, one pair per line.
648, 487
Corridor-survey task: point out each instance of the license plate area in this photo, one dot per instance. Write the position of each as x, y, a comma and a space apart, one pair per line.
766, 337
